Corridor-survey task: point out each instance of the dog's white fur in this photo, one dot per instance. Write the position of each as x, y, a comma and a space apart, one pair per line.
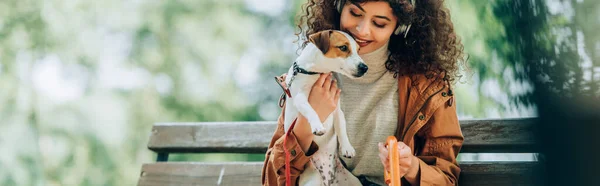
325, 168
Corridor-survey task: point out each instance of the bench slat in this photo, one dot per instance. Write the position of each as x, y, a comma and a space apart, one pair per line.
248, 173
505, 135
204, 137
499, 136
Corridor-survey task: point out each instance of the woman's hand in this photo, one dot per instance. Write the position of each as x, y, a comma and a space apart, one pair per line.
409, 164
324, 96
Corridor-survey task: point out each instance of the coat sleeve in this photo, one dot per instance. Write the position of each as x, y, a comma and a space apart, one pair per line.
443, 140
273, 171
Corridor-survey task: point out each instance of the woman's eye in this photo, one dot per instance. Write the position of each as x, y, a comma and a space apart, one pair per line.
343, 48
354, 14
378, 25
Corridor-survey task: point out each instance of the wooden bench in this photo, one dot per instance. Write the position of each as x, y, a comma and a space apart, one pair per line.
481, 136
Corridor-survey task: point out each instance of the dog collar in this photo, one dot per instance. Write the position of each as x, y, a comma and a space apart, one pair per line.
297, 70
286, 87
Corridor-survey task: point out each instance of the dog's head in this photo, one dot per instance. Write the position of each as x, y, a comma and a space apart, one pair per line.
340, 53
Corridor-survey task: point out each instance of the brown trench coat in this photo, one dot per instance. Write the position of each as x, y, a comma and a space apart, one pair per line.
427, 122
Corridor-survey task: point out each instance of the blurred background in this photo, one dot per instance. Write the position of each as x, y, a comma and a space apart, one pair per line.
82, 82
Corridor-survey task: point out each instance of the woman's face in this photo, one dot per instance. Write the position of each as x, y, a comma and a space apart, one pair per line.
371, 24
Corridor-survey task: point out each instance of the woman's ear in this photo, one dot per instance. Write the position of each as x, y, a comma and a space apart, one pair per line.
321, 40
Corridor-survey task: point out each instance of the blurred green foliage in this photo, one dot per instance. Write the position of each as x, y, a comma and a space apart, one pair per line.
82, 82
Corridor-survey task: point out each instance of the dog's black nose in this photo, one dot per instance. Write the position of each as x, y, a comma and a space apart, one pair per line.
362, 69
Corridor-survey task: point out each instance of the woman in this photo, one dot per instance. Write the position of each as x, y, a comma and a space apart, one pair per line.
412, 52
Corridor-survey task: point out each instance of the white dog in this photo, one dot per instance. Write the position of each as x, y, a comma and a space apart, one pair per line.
327, 51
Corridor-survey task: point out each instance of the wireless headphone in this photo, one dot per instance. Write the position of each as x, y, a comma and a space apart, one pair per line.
402, 28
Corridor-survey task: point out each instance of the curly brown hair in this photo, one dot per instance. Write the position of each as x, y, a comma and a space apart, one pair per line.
431, 46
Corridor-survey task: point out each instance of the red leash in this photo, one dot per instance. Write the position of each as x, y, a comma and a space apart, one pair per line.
281, 82
288, 174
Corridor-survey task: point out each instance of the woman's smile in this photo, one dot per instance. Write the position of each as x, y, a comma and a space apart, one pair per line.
361, 42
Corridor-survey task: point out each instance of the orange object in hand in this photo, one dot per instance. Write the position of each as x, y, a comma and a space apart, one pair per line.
392, 177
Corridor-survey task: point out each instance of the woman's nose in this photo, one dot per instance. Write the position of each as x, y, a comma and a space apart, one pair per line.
363, 29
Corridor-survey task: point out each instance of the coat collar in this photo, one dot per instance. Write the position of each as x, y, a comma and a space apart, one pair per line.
418, 95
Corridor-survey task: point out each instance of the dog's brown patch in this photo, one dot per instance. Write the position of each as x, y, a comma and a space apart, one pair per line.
330, 43
336, 41
321, 40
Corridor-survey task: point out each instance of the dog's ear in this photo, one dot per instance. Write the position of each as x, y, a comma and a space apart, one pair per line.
321, 40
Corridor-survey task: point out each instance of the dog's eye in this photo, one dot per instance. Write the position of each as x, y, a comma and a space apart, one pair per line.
343, 48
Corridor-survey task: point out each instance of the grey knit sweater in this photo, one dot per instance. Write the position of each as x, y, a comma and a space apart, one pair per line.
370, 104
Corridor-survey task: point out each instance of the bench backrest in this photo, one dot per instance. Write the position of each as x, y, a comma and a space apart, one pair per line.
481, 136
